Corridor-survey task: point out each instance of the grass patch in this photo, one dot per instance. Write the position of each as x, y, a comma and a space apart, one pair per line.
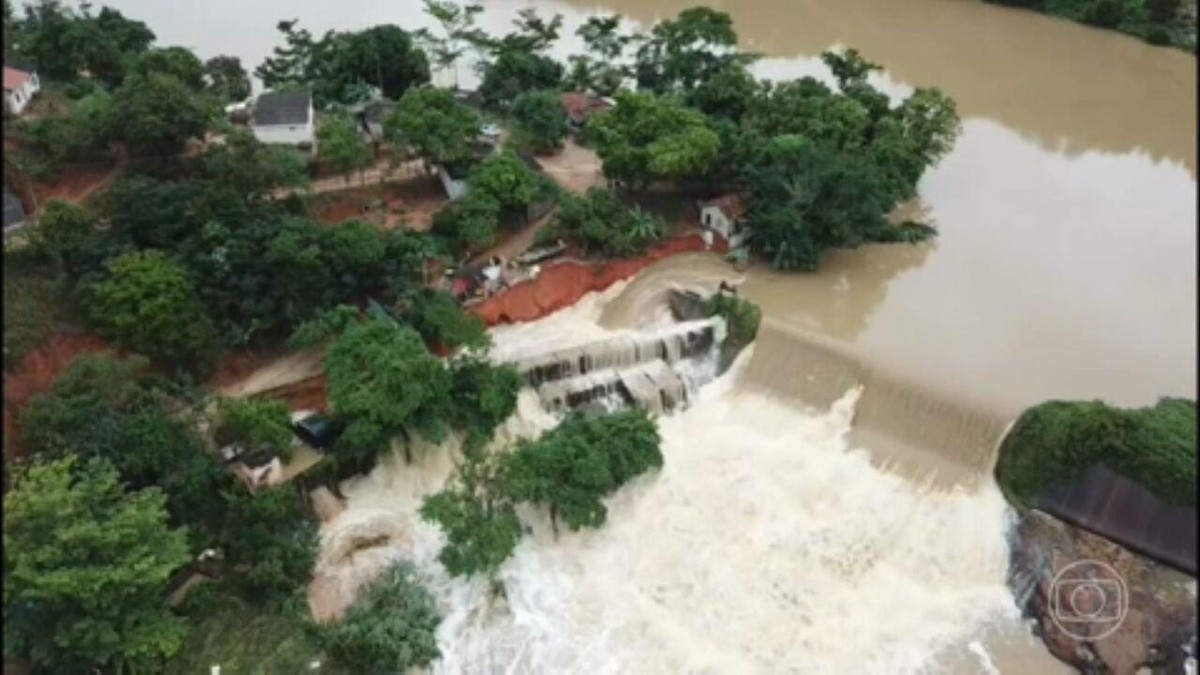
35, 308
243, 639
1053, 443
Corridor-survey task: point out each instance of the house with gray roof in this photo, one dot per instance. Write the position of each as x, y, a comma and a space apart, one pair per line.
285, 118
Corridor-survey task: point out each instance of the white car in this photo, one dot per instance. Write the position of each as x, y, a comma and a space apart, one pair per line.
490, 130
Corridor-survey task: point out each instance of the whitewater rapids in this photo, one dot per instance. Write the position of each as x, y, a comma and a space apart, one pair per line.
765, 544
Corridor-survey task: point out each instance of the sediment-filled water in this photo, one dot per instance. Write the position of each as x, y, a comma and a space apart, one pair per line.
768, 543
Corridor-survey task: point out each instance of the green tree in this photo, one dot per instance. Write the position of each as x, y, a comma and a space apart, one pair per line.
441, 321
338, 66
468, 224
1163, 11
806, 197
340, 144
598, 222
64, 42
177, 62
572, 467
226, 79
430, 122
254, 423
269, 541
158, 114
85, 565
458, 28
541, 120
600, 70
912, 138
381, 374
481, 526
485, 395
646, 138
508, 181
148, 304
681, 53
116, 410
515, 71
808, 108
388, 630
72, 239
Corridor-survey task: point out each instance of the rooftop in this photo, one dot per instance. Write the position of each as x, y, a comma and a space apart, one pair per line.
579, 105
282, 107
732, 205
14, 78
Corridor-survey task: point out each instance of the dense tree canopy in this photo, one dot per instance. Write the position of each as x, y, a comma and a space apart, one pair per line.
85, 564
508, 181
389, 629
647, 138
598, 222
148, 304
516, 71
177, 62
158, 114
681, 53
806, 197
467, 224
541, 120
437, 316
431, 123
226, 79
341, 146
382, 374
116, 410
254, 423
602, 69
480, 525
65, 42
341, 65
572, 467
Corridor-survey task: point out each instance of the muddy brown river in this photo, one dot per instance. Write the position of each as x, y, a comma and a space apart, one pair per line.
1064, 268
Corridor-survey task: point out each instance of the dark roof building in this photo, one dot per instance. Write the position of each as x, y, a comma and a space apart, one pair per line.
14, 213
282, 107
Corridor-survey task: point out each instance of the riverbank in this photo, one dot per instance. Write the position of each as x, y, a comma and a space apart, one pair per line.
1160, 23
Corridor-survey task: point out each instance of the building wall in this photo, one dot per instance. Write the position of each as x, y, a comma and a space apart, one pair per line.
454, 188
280, 134
715, 220
19, 99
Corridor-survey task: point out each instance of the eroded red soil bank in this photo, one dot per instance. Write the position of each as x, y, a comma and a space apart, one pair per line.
561, 285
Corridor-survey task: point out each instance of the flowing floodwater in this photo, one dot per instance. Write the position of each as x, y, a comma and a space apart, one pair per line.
827, 505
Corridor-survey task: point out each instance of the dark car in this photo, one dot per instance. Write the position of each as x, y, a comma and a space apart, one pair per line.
317, 431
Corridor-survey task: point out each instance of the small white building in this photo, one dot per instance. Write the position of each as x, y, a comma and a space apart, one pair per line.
285, 118
725, 216
19, 87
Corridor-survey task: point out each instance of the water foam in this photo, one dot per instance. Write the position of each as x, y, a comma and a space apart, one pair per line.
766, 544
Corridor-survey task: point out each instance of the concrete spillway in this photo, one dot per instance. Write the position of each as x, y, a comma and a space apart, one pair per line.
672, 344
627, 370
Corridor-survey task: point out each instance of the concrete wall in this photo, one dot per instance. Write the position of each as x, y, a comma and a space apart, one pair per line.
1114, 507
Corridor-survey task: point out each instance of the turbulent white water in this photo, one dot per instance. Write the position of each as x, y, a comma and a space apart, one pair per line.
765, 544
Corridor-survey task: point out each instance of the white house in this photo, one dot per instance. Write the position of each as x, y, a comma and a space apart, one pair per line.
285, 118
19, 86
725, 216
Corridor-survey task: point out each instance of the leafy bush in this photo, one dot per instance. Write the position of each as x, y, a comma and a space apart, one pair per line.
388, 630
541, 120
441, 321
572, 467
741, 322
598, 222
481, 526
254, 423
1053, 443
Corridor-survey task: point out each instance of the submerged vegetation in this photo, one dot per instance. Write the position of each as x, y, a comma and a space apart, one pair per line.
1051, 444
741, 323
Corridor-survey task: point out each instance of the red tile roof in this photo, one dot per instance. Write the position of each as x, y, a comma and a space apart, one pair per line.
13, 78
732, 205
579, 106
